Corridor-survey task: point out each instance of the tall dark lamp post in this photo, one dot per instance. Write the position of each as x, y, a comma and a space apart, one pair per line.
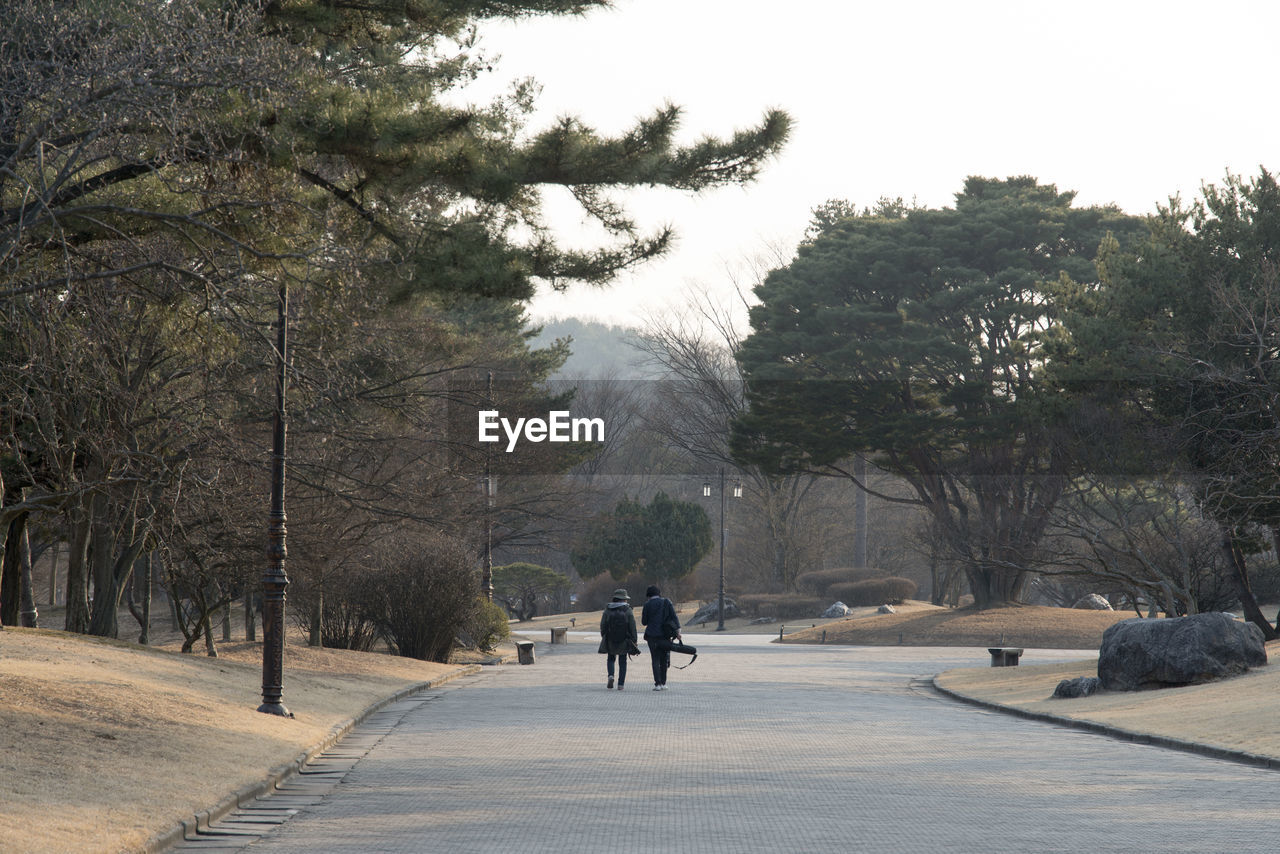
706, 493
274, 580
486, 572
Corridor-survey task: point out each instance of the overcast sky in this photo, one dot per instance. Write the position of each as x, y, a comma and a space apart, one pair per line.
1123, 101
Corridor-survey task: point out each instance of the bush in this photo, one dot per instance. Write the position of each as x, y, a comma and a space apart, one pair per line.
781, 606
595, 593
423, 595
345, 620
488, 626
819, 582
891, 590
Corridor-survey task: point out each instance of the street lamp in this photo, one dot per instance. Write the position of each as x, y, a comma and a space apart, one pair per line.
706, 493
274, 580
486, 572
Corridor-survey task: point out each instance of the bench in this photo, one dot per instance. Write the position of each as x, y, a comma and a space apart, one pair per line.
559, 634
524, 651
1004, 656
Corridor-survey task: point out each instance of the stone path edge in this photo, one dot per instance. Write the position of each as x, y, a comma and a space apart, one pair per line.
1207, 750
188, 827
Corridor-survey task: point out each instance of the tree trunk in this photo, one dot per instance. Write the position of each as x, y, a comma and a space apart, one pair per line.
29, 616
1240, 578
11, 572
77, 616
53, 572
110, 579
209, 648
250, 630
148, 581
226, 622
317, 614
860, 514
138, 596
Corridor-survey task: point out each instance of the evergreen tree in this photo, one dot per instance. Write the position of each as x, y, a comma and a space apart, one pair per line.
664, 539
919, 338
1183, 332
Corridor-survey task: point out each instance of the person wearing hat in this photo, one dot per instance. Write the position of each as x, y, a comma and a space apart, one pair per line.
618, 635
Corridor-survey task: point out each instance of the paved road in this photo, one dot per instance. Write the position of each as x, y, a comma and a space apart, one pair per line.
756, 748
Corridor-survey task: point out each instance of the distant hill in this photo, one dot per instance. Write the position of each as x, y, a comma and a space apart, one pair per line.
598, 349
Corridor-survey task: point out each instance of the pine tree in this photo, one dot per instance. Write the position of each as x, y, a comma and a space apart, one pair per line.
919, 338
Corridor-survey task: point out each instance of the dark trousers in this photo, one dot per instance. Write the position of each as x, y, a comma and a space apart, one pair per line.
661, 658
622, 667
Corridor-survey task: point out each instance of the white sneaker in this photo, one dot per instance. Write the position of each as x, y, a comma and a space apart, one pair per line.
657, 687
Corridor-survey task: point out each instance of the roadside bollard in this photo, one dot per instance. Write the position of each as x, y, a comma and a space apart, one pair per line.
780, 628
824, 635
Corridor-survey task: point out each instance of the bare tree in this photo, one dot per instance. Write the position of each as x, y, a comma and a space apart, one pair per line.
1145, 537
694, 408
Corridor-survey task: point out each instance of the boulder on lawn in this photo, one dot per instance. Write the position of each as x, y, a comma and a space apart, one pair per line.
838, 609
1093, 602
711, 610
1139, 654
886, 609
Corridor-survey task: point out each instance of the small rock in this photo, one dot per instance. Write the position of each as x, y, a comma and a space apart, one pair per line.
760, 621
886, 609
1081, 686
1093, 602
839, 609
710, 611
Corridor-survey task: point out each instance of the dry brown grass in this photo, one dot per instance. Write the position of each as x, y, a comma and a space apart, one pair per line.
920, 624
1232, 714
104, 743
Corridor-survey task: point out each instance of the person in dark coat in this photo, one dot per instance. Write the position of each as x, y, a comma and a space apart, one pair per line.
660, 625
617, 643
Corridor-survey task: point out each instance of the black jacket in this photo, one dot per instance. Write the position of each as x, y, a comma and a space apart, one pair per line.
657, 612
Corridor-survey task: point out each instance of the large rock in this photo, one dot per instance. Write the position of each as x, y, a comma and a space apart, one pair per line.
1138, 654
837, 609
710, 610
1093, 602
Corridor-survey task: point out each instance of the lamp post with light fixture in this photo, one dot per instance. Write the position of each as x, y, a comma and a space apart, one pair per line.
486, 570
274, 579
706, 493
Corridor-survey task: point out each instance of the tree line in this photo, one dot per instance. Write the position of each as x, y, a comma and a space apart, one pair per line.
1065, 390
1046, 391
167, 172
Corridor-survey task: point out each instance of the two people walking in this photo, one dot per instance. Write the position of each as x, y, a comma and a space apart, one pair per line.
661, 633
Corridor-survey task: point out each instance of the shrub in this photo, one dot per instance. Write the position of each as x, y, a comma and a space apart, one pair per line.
423, 595
594, 593
891, 590
780, 606
819, 582
345, 619
488, 626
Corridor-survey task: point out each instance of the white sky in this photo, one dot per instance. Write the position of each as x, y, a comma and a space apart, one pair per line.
1123, 101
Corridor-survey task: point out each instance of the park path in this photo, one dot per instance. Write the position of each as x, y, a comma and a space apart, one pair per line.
756, 748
